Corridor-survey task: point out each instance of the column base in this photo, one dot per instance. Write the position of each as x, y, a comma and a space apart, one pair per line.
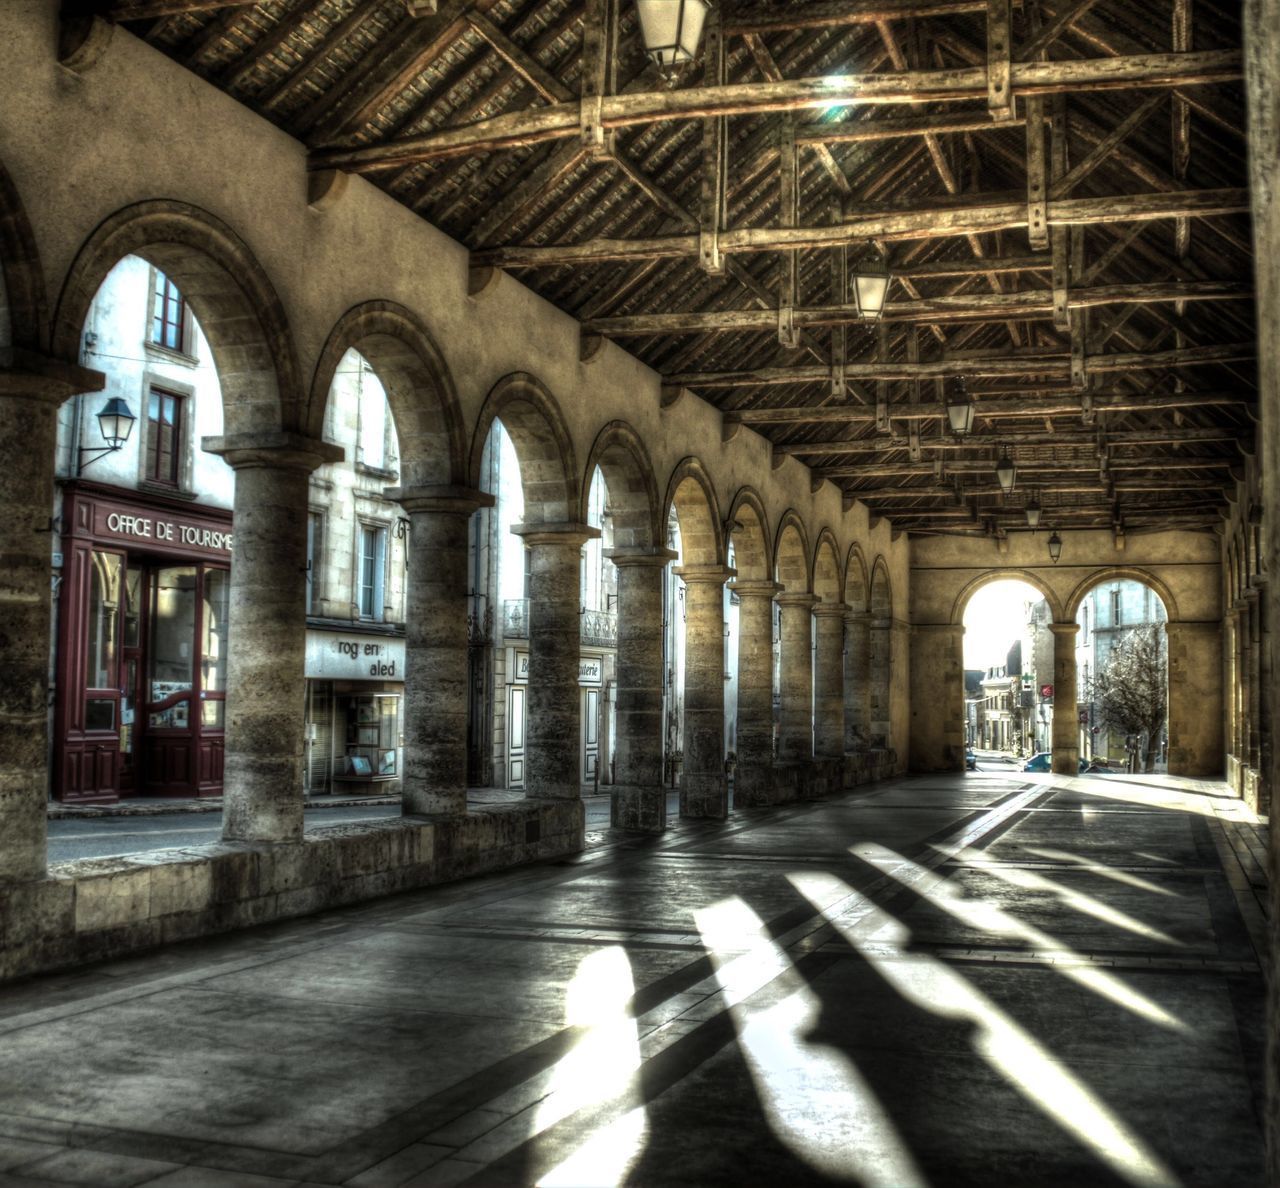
704, 796
753, 785
866, 765
637, 808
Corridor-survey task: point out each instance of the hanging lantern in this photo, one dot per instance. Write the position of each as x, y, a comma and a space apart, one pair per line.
1034, 512
671, 29
870, 288
960, 408
1006, 473
1055, 547
116, 422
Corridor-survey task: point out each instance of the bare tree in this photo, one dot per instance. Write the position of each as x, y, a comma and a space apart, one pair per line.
1131, 689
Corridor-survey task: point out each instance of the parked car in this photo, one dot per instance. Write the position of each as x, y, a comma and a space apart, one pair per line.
970, 760
1038, 762
1094, 766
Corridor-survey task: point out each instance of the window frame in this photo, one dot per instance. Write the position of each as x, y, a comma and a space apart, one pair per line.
165, 294
377, 590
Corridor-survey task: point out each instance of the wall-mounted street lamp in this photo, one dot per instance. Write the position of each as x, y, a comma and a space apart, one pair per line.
1006, 472
960, 408
671, 29
116, 423
1055, 547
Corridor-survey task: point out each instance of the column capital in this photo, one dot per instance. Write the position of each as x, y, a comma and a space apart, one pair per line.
830, 610
280, 450
569, 533
33, 376
1064, 629
713, 575
938, 628
797, 600
857, 616
640, 555
1199, 627
439, 497
754, 589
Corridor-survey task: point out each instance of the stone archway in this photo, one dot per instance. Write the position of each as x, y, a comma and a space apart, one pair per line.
880, 662
828, 650
704, 790
793, 568
638, 798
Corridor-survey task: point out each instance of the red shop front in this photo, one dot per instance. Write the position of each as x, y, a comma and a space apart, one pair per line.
142, 646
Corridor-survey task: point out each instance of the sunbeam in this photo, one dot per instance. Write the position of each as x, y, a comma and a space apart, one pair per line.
1102, 870
991, 918
600, 1066
930, 984
1031, 880
813, 1096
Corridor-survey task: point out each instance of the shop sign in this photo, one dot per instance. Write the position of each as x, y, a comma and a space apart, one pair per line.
520, 669
335, 655
590, 670
158, 528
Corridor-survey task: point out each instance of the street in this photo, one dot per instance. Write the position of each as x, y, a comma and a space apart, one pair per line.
104, 837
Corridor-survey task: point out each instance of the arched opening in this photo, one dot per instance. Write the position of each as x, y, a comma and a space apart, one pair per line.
357, 588
1122, 676
794, 649
143, 534
695, 599
749, 659
880, 663
527, 561
1008, 672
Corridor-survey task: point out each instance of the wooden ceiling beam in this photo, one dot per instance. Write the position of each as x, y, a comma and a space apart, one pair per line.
522, 128
961, 307
836, 13
937, 221
1007, 363
991, 410
1067, 437
146, 10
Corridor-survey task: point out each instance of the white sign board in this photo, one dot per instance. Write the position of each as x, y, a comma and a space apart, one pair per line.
349, 656
590, 670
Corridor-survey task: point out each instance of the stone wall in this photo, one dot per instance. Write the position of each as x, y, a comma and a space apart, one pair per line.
106, 907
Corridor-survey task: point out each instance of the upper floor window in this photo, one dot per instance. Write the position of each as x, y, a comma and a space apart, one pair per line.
168, 315
164, 436
373, 563
1116, 608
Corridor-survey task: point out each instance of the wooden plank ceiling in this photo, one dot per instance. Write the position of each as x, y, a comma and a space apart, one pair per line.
1058, 187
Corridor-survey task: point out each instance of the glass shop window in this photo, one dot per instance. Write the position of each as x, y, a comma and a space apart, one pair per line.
173, 609
105, 588
373, 736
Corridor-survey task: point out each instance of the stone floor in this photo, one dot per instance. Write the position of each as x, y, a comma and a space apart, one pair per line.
994, 979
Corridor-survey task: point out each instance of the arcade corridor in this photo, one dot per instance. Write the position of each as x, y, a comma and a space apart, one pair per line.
959, 980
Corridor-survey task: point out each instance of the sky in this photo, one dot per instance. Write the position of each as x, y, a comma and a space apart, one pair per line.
993, 619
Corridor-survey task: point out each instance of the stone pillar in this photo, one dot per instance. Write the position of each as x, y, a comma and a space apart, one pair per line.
795, 735
638, 799
435, 679
937, 697
1195, 699
880, 723
1254, 679
262, 780
753, 777
1231, 647
554, 730
1262, 95
857, 682
828, 680
704, 790
29, 399
1066, 718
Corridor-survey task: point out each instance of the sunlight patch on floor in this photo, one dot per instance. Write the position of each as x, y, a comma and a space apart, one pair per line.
815, 1100
931, 985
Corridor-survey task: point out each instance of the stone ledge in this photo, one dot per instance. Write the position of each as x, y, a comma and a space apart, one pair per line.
97, 908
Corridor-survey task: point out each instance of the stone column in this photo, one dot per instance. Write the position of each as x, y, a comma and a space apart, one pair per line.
1195, 699
880, 724
795, 735
434, 780
554, 730
857, 683
262, 781
937, 697
29, 399
828, 680
704, 790
638, 801
1254, 679
1066, 718
753, 776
